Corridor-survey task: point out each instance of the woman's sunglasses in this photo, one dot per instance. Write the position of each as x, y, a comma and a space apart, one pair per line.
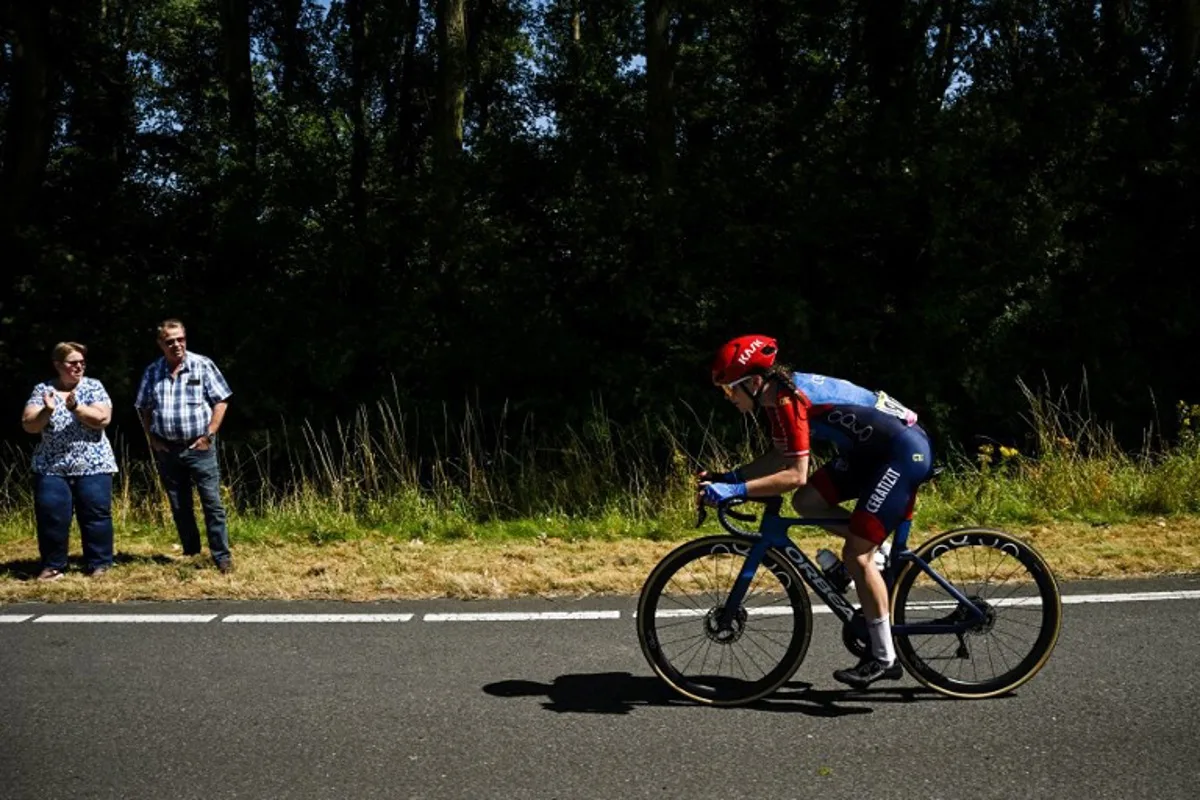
728, 388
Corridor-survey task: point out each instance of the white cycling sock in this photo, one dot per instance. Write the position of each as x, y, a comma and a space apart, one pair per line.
880, 631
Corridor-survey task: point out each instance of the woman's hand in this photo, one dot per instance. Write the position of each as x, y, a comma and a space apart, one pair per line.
732, 476
71, 401
51, 401
714, 493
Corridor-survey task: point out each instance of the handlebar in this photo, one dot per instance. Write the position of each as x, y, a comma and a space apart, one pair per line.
725, 510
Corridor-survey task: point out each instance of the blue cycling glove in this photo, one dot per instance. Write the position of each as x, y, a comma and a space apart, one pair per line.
716, 492
733, 476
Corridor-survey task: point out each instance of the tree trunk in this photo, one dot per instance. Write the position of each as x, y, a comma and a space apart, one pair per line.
448, 128
355, 14
239, 85
948, 38
291, 46
660, 105
101, 109
30, 117
452, 79
404, 145
1185, 43
407, 137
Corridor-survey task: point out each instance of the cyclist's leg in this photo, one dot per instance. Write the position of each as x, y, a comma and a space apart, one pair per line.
879, 510
887, 497
826, 489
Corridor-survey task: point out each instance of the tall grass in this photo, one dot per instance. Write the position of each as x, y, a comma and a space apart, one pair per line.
385, 473
1071, 468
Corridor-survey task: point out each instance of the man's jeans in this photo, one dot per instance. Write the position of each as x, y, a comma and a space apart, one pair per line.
180, 470
89, 498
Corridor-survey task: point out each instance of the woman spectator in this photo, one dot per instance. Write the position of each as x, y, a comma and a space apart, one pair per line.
73, 464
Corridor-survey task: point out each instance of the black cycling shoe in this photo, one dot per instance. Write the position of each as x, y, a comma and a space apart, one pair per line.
867, 672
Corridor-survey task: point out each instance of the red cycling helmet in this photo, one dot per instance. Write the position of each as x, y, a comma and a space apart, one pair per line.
745, 355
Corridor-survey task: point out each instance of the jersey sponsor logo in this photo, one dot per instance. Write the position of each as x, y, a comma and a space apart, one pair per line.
849, 421
881, 490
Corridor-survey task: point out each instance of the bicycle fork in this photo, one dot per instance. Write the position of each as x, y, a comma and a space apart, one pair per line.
733, 601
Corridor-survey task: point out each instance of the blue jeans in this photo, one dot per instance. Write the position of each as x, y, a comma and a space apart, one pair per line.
180, 470
89, 499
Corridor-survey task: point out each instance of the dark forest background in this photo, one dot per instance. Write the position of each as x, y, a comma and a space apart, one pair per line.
541, 206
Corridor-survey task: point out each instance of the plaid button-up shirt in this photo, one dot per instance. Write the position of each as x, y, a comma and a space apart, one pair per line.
181, 406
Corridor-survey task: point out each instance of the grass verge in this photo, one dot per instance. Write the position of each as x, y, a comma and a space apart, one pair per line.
380, 568
358, 516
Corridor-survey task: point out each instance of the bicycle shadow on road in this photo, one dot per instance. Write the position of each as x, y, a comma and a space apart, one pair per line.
621, 693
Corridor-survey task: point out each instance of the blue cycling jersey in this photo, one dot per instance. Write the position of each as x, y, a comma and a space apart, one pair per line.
834, 410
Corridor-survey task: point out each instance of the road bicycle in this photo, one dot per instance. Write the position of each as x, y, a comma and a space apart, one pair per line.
725, 620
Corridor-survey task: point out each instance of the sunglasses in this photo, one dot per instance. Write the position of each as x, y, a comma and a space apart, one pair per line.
728, 388
176, 340
73, 364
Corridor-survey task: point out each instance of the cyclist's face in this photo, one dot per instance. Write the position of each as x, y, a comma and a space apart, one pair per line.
741, 392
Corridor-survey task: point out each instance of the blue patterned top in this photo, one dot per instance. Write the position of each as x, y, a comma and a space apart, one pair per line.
181, 406
68, 447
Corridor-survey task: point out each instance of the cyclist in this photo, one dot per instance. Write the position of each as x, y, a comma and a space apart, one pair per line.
883, 455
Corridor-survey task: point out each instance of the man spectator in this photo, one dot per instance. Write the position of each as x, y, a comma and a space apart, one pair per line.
181, 401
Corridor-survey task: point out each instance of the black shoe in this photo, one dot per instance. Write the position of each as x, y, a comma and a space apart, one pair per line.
225, 565
867, 672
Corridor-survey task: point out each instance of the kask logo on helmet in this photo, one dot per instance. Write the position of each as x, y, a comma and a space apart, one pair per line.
749, 352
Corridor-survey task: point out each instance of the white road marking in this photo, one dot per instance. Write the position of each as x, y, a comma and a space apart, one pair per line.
527, 616
520, 616
126, 618
1131, 597
318, 618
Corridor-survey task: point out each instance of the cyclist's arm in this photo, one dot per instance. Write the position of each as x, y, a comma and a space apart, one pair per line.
785, 468
768, 463
788, 474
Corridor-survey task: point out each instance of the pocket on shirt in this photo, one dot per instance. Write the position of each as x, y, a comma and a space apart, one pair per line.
195, 395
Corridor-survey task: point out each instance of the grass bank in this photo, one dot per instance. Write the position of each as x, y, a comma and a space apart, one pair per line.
354, 514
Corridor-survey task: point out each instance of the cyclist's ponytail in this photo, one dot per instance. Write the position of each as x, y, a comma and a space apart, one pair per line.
782, 375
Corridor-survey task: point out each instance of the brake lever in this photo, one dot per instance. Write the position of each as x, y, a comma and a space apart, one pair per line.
701, 515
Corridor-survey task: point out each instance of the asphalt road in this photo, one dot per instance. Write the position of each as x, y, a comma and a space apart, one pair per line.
566, 708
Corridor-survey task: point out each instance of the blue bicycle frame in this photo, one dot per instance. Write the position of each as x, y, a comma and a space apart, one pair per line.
773, 533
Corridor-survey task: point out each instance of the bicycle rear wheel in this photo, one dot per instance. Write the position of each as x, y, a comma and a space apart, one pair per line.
678, 622
1013, 585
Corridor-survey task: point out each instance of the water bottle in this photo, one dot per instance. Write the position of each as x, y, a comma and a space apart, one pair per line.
835, 571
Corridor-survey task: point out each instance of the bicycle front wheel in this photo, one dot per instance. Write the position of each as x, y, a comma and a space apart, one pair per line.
1014, 587
680, 630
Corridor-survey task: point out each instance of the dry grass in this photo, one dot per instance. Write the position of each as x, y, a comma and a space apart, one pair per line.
384, 569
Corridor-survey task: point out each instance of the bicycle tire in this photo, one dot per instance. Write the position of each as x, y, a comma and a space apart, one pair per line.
709, 689
1049, 620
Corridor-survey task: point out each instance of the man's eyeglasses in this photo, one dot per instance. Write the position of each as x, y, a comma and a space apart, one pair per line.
176, 340
74, 364
728, 388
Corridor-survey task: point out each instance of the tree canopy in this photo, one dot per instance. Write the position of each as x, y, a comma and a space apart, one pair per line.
535, 204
